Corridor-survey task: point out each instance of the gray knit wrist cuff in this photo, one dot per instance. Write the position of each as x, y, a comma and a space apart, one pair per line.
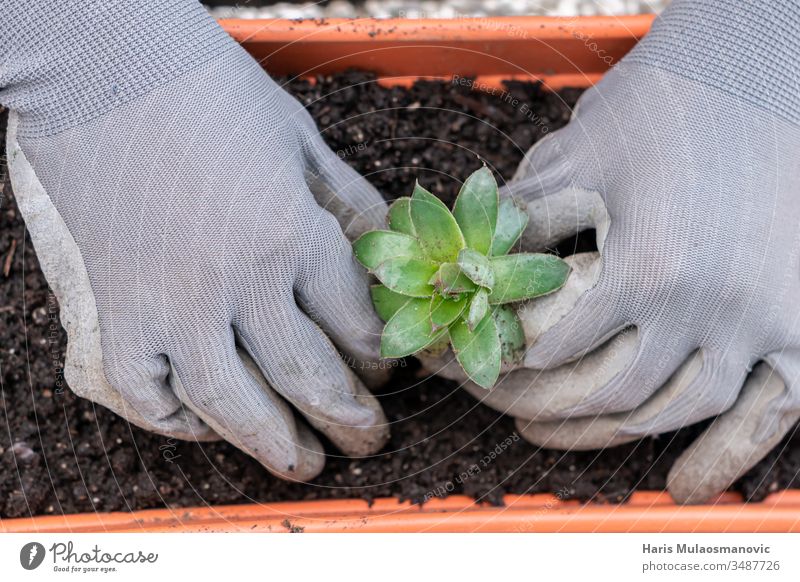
65, 62
749, 49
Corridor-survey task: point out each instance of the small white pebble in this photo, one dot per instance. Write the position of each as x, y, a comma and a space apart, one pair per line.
22, 451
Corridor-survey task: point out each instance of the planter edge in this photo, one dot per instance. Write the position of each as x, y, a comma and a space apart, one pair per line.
558, 51
645, 512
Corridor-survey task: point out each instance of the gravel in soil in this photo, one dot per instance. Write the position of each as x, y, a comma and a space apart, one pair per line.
62, 454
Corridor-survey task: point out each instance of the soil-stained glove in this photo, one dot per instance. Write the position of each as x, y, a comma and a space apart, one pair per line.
686, 158
183, 205
727, 449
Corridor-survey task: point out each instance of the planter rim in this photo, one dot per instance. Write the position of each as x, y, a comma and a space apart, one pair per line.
555, 51
644, 512
558, 51
370, 29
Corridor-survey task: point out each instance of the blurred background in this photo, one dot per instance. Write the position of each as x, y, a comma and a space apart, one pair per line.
426, 8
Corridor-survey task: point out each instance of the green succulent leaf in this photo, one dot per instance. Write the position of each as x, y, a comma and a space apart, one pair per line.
409, 330
511, 222
400, 216
386, 301
444, 311
436, 228
510, 332
407, 276
377, 246
450, 281
526, 275
478, 308
477, 267
477, 351
475, 210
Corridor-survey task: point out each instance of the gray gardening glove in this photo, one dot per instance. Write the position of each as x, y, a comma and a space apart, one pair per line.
733, 443
184, 207
686, 158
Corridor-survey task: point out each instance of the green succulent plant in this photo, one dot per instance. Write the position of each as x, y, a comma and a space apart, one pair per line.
448, 277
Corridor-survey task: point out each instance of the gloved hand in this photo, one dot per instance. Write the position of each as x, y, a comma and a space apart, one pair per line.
182, 206
727, 449
685, 159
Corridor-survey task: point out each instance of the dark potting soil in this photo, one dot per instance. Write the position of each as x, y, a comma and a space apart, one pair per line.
61, 454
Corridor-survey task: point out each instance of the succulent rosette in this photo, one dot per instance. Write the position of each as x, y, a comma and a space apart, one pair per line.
447, 277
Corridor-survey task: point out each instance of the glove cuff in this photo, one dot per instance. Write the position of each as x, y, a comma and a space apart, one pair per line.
65, 63
750, 50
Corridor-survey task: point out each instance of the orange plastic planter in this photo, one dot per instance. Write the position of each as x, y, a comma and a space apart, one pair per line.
560, 52
645, 512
